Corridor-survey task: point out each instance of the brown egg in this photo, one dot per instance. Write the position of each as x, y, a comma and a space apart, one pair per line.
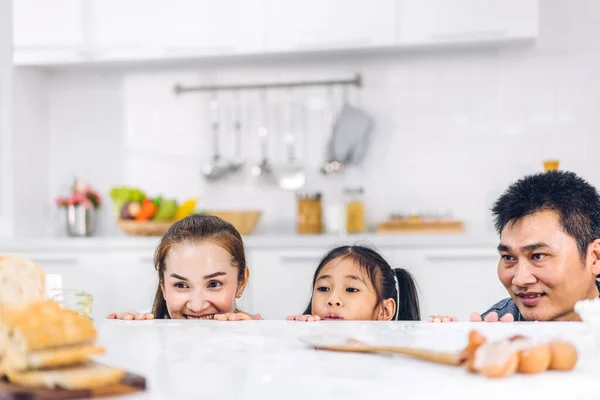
564, 356
535, 359
501, 370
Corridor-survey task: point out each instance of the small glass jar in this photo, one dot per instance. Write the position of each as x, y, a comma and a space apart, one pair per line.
309, 218
73, 299
355, 210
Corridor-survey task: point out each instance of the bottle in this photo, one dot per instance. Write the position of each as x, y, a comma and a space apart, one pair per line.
355, 210
309, 218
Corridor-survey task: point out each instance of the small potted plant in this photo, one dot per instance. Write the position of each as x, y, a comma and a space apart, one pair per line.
81, 206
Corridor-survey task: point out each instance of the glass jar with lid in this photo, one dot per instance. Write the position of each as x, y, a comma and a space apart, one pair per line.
355, 210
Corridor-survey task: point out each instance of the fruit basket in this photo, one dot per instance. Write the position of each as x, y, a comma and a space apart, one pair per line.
244, 221
146, 228
141, 215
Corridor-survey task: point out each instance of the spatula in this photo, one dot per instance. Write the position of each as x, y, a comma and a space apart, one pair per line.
355, 346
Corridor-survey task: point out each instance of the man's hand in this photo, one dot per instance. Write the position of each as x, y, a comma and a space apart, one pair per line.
491, 317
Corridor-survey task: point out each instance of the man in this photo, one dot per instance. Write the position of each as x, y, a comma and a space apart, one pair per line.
549, 227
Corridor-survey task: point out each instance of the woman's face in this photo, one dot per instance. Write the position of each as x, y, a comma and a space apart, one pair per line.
200, 281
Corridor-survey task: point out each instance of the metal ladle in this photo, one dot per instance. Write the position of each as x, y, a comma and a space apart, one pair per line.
218, 167
238, 159
263, 171
291, 175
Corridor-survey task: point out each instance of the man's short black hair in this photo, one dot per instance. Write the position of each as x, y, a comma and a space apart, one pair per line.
575, 200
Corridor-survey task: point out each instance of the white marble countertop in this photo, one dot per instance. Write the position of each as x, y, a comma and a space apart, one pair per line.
126, 243
267, 360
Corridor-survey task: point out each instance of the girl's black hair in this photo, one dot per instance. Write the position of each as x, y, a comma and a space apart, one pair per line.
381, 275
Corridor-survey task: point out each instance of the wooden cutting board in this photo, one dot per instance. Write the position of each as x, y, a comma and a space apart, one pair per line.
131, 383
398, 225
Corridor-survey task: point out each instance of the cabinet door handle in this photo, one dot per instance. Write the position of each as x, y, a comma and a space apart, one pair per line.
451, 36
300, 257
67, 261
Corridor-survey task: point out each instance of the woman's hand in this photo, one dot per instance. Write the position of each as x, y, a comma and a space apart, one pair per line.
131, 315
236, 317
304, 318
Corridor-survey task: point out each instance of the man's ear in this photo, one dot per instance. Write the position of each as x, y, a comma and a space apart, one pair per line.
593, 257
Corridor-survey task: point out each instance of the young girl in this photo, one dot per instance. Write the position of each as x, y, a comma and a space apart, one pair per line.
356, 283
201, 267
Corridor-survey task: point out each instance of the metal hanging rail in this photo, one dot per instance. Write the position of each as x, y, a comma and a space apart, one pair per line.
356, 81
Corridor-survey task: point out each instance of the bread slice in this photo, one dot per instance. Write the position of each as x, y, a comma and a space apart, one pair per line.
45, 324
22, 281
17, 360
81, 377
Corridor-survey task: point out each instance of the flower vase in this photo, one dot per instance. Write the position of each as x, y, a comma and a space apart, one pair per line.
80, 220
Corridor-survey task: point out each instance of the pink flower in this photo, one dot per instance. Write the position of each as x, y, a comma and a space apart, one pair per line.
78, 198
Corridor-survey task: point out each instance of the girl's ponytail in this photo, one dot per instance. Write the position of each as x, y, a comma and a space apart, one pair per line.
407, 297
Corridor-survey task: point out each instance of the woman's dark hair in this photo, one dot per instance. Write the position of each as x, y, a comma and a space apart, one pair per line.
194, 229
575, 201
381, 275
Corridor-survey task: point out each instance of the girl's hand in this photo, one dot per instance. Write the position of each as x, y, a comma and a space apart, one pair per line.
441, 318
304, 318
131, 315
236, 317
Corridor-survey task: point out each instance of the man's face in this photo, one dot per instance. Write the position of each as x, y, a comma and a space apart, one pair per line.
542, 269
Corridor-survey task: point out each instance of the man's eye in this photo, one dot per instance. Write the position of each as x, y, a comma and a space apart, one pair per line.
508, 258
538, 256
323, 289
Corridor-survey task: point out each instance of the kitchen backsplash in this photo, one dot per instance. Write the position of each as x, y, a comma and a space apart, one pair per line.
452, 127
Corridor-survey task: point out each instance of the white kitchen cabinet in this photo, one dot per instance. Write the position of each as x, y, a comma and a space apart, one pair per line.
5, 117
281, 281
133, 282
49, 30
424, 22
296, 25
457, 282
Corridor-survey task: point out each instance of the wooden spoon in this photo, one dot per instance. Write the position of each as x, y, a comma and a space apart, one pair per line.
355, 346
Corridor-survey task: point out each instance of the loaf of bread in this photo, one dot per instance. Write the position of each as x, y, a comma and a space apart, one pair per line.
22, 281
85, 376
45, 324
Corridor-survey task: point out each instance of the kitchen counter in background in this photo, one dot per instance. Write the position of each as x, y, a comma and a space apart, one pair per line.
405, 241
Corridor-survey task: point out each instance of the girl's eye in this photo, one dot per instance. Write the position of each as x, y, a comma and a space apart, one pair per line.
323, 289
181, 285
214, 284
351, 290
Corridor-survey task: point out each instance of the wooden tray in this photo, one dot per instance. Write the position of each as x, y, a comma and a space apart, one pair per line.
131, 383
397, 225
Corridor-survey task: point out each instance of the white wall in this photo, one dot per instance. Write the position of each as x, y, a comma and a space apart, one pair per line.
453, 127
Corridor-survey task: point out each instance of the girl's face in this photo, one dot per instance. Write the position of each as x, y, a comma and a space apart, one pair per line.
200, 281
344, 292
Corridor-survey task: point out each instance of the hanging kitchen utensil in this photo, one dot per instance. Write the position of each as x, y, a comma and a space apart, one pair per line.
238, 159
263, 171
218, 167
332, 165
291, 174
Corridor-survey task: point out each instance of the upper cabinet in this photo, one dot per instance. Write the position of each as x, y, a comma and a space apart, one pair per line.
331, 24
48, 30
425, 22
104, 30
